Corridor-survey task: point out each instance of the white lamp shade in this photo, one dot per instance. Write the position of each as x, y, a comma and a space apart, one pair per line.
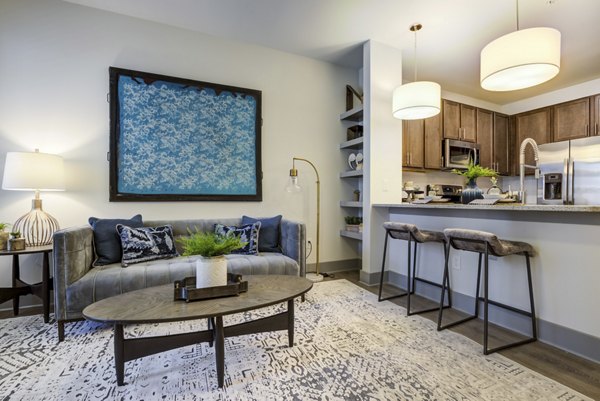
416, 100
31, 171
520, 59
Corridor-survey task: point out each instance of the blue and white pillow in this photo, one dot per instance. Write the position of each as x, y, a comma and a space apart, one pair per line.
146, 243
247, 233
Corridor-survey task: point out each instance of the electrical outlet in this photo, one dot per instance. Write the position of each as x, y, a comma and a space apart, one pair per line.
455, 260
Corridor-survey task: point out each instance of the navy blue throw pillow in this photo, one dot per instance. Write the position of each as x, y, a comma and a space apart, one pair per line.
247, 233
268, 240
106, 239
146, 243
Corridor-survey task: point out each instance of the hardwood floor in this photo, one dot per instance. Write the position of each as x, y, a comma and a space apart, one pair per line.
578, 373
571, 370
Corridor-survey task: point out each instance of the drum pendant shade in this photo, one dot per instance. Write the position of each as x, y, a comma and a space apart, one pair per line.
520, 59
416, 100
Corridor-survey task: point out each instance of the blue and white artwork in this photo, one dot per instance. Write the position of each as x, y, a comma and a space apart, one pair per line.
177, 139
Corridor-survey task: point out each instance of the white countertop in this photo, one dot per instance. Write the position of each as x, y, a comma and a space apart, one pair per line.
499, 206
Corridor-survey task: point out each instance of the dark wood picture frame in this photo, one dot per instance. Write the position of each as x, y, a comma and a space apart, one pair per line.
235, 169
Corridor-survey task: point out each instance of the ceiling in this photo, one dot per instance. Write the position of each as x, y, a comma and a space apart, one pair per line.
453, 34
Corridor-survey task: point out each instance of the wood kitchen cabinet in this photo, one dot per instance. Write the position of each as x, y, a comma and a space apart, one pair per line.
413, 143
595, 127
485, 137
571, 120
433, 142
493, 139
502, 144
535, 124
459, 121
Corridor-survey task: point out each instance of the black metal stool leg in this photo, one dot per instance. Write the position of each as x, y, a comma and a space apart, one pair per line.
385, 245
445, 279
486, 273
531, 303
409, 290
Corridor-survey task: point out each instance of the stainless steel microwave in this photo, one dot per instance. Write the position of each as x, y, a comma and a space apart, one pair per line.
458, 154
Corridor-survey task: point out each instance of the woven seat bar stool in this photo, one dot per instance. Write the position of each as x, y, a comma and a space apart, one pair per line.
486, 244
413, 236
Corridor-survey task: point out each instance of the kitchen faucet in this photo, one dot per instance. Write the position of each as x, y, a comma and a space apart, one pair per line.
527, 141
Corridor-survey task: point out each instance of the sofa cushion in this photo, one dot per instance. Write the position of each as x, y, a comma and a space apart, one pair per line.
110, 280
107, 243
270, 232
146, 243
247, 233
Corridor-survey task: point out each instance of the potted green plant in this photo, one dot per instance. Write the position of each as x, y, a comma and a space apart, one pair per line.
356, 197
16, 243
353, 223
211, 267
472, 191
3, 236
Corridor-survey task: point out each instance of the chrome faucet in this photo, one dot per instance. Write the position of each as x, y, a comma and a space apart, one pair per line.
527, 141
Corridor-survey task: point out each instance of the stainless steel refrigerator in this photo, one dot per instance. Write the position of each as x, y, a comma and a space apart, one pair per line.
570, 172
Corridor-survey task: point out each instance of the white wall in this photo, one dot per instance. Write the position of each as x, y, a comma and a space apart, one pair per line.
54, 59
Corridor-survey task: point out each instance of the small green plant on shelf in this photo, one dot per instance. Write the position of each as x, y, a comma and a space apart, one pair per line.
3, 226
209, 244
15, 235
353, 223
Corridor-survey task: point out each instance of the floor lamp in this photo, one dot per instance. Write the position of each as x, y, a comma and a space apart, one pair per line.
293, 186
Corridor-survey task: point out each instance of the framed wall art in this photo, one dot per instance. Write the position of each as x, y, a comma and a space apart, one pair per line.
176, 139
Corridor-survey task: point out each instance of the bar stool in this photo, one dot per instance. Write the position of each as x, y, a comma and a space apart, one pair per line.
411, 234
486, 244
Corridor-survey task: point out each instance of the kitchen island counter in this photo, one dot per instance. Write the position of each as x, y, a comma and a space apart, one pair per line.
519, 207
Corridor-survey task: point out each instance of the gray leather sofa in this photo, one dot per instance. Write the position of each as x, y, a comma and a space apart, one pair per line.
77, 284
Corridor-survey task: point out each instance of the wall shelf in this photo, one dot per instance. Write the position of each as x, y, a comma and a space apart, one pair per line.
351, 173
351, 204
352, 144
354, 114
351, 234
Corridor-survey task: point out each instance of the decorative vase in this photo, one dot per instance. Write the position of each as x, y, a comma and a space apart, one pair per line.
471, 192
3, 240
211, 272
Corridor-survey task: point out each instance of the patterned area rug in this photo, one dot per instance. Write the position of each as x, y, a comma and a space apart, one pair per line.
348, 346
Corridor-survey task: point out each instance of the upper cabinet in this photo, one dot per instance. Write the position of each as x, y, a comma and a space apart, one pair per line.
413, 143
571, 120
485, 137
596, 115
422, 143
535, 124
502, 143
433, 142
459, 121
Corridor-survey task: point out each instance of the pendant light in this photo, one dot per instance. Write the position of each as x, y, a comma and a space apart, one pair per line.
418, 99
520, 59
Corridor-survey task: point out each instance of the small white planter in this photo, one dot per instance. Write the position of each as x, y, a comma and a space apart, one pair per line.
211, 272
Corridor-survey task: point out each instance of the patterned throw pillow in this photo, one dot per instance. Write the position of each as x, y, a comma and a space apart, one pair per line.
269, 232
247, 233
146, 243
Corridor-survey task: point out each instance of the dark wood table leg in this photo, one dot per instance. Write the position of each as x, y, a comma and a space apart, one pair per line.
290, 314
16, 276
46, 287
119, 354
220, 349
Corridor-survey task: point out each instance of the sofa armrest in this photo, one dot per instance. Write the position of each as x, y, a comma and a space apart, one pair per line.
293, 242
73, 254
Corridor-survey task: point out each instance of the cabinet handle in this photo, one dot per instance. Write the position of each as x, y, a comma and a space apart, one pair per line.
587, 130
596, 129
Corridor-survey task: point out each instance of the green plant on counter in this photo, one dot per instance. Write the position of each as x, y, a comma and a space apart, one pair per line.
353, 220
209, 244
474, 171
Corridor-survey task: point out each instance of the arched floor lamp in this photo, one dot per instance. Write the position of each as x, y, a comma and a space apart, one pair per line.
293, 186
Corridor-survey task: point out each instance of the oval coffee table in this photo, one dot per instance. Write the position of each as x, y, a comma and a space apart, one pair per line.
157, 305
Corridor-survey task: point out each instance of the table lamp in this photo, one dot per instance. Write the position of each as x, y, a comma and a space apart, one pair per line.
34, 171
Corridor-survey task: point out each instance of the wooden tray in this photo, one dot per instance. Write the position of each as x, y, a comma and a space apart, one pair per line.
185, 290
